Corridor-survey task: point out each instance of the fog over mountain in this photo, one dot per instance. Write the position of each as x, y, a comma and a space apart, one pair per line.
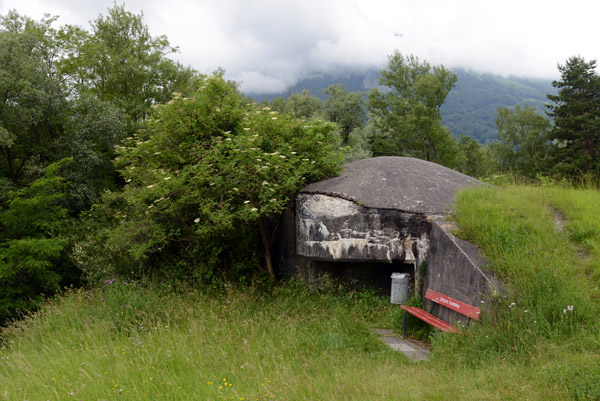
272, 45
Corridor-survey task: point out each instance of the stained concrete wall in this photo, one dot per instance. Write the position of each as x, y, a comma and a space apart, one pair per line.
455, 268
334, 229
328, 272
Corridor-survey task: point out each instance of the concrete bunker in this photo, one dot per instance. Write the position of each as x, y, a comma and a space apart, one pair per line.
379, 216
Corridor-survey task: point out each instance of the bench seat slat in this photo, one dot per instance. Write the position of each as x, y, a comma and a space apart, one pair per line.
429, 318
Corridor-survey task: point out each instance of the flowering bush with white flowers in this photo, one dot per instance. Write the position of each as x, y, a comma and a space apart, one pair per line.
206, 181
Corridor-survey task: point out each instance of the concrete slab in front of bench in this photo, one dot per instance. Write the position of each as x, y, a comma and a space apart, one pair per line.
411, 350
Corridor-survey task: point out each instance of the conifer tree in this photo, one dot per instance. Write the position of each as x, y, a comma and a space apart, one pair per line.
576, 113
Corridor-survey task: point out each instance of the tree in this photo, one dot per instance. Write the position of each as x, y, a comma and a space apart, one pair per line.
347, 109
303, 105
207, 179
91, 131
32, 247
121, 62
32, 98
407, 111
576, 114
472, 157
523, 145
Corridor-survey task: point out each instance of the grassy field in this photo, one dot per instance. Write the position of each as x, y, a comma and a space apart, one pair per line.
141, 341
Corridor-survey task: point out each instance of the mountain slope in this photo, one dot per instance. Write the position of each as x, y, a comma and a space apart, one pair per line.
470, 107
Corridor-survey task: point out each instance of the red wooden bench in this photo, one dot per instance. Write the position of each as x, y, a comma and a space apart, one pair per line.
444, 300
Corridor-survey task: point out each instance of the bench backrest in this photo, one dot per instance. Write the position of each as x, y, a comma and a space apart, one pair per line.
454, 304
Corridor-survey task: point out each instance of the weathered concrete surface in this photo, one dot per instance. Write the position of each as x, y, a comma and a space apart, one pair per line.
330, 228
455, 268
399, 183
411, 350
380, 214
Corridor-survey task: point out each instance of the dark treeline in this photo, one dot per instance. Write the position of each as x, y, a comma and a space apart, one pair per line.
117, 161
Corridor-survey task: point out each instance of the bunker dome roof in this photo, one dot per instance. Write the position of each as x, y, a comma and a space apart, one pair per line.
400, 183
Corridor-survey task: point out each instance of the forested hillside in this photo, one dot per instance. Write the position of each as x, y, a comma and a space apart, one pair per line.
470, 107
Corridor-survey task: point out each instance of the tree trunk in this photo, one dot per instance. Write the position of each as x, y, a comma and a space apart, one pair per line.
267, 242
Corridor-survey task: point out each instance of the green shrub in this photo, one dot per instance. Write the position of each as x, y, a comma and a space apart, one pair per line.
207, 179
32, 244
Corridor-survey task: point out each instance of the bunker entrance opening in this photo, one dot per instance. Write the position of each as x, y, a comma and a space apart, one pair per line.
363, 275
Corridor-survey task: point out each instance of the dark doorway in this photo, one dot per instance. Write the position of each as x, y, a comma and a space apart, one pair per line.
363, 275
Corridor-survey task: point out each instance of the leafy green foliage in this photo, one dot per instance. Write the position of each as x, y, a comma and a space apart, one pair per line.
91, 131
303, 105
32, 96
523, 146
407, 113
121, 62
473, 159
31, 243
576, 113
344, 108
206, 174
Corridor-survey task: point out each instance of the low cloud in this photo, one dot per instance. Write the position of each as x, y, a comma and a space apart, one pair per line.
271, 44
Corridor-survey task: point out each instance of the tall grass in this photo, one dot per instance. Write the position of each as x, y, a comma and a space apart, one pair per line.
548, 315
146, 343
142, 341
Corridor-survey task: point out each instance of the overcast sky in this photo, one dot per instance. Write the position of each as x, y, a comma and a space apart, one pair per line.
269, 45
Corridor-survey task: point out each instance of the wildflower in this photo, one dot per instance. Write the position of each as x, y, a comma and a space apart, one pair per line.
564, 311
254, 209
197, 220
246, 202
265, 183
246, 129
151, 186
167, 178
570, 308
235, 189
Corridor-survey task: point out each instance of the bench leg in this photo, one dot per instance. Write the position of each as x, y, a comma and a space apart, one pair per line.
403, 323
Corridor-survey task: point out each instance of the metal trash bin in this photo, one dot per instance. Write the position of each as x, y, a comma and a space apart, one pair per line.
400, 283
